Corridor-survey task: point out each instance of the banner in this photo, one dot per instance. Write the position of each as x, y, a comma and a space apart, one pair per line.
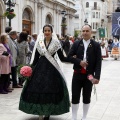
101, 32
116, 24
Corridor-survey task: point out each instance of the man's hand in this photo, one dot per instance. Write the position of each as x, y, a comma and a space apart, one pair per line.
83, 63
95, 81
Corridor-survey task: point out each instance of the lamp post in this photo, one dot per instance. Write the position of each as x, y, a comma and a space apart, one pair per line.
63, 24
10, 4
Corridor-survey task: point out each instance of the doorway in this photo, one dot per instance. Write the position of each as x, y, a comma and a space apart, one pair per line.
26, 26
26, 22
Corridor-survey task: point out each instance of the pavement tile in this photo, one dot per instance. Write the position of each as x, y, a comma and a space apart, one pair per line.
106, 107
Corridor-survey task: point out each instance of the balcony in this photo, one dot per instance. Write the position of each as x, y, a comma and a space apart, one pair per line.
109, 14
96, 8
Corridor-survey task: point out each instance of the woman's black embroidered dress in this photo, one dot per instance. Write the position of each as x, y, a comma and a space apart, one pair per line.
45, 93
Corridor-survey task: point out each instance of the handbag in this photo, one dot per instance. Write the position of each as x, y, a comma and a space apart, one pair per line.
5, 53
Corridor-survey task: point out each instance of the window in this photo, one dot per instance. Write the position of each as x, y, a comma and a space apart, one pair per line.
96, 14
93, 25
87, 4
95, 5
26, 14
93, 14
76, 16
48, 19
96, 25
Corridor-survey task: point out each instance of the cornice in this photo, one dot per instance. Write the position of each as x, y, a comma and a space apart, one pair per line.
73, 2
40, 4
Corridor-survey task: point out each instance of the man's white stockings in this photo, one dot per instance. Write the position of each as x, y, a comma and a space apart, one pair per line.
74, 111
85, 110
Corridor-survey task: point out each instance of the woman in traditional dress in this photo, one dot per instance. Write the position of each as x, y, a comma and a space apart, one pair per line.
115, 49
104, 50
46, 93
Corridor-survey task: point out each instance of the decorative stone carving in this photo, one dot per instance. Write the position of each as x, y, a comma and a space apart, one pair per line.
40, 5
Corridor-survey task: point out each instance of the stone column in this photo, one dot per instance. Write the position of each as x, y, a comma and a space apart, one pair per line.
36, 16
39, 17
54, 22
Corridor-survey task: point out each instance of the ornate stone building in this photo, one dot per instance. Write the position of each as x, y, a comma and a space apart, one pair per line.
2, 19
32, 15
110, 10
97, 13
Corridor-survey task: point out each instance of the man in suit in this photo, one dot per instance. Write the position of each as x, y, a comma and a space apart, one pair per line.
14, 51
86, 56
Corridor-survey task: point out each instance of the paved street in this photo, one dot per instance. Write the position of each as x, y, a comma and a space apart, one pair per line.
107, 106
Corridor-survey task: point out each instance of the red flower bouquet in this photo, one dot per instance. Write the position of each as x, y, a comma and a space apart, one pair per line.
91, 78
26, 71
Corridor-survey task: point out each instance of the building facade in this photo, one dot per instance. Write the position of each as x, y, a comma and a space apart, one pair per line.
94, 13
110, 10
2, 19
32, 15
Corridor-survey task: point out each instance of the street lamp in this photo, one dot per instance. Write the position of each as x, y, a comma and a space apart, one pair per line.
10, 4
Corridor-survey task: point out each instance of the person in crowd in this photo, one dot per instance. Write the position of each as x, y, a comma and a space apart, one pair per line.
71, 38
66, 45
14, 51
110, 41
47, 93
23, 49
32, 41
119, 46
76, 38
58, 37
96, 40
29, 54
34, 36
71, 43
5, 64
115, 49
106, 43
86, 56
104, 50
100, 40
8, 29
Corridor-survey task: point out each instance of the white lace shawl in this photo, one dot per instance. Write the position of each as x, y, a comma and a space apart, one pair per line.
54, 46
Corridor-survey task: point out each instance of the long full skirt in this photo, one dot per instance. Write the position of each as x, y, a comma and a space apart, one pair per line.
45, 93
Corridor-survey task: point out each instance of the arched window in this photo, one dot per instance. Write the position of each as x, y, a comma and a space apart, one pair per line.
48, 19
26, 21
87, 4
26, 14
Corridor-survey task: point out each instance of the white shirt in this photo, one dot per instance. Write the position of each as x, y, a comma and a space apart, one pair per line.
86, 43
